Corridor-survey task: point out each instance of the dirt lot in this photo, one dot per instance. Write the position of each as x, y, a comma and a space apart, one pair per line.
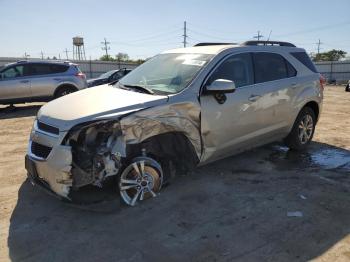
234, 209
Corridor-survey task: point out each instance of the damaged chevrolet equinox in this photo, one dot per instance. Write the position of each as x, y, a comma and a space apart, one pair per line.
181, 109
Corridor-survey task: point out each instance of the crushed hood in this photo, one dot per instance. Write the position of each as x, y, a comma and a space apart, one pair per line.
97, 103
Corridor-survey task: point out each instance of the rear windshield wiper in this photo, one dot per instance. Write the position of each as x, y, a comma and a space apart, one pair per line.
141, 88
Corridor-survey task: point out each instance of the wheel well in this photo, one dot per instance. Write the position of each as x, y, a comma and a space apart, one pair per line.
314, 106
172, 146
64, 86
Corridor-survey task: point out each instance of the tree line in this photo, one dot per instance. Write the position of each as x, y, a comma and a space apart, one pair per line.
121, 57
332, 55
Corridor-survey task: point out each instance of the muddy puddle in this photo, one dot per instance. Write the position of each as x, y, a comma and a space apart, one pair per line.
318, 156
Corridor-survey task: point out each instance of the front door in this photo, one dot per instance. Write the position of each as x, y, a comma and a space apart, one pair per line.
232, 125
14, 83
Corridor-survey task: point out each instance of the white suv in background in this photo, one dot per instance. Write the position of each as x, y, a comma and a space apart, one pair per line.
36, 81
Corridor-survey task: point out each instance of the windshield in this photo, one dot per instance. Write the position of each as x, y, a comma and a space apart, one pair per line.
108, 74
166, 73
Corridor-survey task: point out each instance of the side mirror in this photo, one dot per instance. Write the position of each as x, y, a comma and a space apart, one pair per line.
221, 86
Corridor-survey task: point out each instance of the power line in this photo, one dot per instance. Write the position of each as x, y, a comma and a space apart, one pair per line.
106, 47
208, 35
315, 29
154, 36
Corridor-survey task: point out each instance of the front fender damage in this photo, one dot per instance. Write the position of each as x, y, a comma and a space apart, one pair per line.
180, 117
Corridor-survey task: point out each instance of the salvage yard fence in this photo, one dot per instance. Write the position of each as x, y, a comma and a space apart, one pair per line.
92, 68
335, 72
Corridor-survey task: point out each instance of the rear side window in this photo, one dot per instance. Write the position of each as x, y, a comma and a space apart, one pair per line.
46, 69
39, 69
54, 69
305, 60
269, 67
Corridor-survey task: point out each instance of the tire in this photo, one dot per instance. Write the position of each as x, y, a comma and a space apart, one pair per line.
303, 130
347, 88
140, 180
64, 91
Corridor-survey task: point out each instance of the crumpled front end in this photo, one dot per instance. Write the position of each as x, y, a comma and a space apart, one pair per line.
91, 152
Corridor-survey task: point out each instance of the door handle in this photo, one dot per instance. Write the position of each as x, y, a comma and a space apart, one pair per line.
25, 81
253, 98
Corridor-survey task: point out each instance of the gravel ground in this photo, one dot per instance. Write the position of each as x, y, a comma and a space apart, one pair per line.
267, 204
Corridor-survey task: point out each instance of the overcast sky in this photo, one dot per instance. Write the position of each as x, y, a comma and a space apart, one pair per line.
145, 28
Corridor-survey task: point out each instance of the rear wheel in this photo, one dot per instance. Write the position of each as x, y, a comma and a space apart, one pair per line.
347, 88
64, 91
303, 130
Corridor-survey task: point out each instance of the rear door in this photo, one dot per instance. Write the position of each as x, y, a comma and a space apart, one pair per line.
45, 77
275, 80
14, 83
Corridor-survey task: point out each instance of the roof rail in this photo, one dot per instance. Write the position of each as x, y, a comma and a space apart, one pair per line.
271, 43
21, 61
208, 44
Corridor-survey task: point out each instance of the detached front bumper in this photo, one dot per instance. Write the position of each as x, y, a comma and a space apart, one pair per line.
48, 162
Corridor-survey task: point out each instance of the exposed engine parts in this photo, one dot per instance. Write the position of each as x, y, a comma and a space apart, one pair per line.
97, 153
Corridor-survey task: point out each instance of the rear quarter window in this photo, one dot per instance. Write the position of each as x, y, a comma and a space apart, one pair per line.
305, 60
54, 69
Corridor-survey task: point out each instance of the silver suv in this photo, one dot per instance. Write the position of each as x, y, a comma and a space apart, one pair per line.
182, 108
30, 81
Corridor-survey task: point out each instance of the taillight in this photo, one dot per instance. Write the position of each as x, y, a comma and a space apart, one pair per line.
322, 81
81, 75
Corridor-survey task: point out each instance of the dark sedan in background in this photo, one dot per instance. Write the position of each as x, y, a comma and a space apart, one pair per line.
109, 77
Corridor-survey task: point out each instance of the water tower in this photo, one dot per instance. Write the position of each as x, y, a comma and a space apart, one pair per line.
78, 48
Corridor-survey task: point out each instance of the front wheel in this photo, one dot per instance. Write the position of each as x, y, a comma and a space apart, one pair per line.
303, 130
141, 179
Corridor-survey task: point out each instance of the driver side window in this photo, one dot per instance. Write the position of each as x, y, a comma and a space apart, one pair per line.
12, 72
118, 75
237, 68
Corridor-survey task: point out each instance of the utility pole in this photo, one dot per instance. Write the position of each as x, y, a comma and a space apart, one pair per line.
42, 55
106, 47
319, 43
26, 56
268, 39
185, 34
66, 51
258, 36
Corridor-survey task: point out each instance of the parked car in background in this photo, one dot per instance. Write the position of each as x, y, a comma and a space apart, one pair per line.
180, 109
34, 81
347, 88
109, 77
